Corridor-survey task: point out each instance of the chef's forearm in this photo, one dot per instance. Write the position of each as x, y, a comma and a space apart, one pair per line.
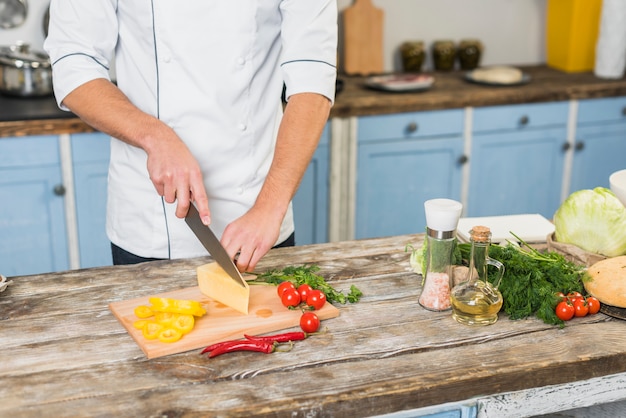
305, 116
104, 107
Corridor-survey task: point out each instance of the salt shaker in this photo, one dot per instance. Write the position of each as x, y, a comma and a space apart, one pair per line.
442, 218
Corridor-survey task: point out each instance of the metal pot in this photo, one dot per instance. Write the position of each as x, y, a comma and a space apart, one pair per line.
24, 72
12, 13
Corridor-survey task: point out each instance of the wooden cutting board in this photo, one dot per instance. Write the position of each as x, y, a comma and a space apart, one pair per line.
363, 38
220, 323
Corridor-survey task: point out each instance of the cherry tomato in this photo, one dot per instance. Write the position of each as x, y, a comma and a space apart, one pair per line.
304, 290
560, 296
594, 305
573, 296
284, 286
565, 310
309, 322
290, 298
580, 307
316, 299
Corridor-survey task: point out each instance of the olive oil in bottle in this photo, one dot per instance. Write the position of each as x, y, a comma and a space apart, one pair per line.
477, 301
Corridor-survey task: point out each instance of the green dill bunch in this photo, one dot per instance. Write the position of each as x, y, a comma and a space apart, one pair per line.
532, 279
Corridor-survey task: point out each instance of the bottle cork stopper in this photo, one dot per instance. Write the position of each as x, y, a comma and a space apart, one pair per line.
480, 233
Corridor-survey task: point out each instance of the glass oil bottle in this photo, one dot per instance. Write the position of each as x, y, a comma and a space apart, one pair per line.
477, 301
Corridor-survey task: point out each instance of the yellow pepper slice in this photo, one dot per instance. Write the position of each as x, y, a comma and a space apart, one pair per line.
143, 311
165, 318
151, 330
180, 306
184, 323
169, 335
140, 323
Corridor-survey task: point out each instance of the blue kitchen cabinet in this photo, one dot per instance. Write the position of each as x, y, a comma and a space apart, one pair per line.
32, 218
600, 145
466, 409
403, 160
517, 159
310, 204
90, 162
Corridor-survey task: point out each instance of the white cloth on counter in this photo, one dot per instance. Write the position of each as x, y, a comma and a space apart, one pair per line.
611, 46
211, 70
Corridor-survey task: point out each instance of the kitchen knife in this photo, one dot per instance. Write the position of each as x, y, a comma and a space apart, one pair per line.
212, 244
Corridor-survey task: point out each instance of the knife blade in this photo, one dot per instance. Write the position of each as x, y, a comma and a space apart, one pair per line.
212, 244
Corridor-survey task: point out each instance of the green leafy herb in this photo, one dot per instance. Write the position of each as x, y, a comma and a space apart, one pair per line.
532, 279
307, 274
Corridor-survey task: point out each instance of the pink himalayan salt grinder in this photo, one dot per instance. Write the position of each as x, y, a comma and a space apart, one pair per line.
442, 218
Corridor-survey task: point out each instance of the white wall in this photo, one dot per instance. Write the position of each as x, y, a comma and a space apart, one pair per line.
511, 30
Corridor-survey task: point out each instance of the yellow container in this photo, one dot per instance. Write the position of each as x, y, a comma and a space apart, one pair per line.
571, 34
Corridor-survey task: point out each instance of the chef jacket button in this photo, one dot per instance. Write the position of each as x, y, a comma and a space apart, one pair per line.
240, 190
242, 126
167, 58
241, 61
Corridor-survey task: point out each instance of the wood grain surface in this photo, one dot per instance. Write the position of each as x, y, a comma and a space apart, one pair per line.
220, 323
65, 354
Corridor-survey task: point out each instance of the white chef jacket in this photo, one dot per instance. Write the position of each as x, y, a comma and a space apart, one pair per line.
213, 70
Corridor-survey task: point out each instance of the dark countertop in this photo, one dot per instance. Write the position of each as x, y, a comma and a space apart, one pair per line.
66, 354
21, 116
28, 109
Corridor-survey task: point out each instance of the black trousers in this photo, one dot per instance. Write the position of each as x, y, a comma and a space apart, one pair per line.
122, 257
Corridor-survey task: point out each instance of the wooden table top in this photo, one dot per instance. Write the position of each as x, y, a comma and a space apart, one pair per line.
39, 116
64, 353
451, 90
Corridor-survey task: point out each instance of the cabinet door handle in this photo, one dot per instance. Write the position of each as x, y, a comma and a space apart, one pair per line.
412, 128
59, 190
580, 145
524, 120
566, 146
623, 111
463, 159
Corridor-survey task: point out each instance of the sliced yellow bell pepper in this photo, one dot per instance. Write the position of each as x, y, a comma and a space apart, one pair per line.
169, 335
165, 318
143, 311
140, 323
180, 306
184, 323
151, 330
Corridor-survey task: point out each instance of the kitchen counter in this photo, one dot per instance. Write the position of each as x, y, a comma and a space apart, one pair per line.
65, 354
450, 90
19, 116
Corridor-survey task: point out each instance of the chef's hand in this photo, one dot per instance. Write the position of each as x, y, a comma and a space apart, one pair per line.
176, 175
250, 237
173, 170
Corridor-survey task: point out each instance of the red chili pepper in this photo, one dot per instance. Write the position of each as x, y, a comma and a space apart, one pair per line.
243, 345
278, 338
214, 346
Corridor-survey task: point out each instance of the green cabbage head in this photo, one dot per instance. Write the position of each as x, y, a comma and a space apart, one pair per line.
594, 220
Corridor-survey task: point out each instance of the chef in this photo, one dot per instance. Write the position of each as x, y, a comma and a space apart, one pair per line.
195, 113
